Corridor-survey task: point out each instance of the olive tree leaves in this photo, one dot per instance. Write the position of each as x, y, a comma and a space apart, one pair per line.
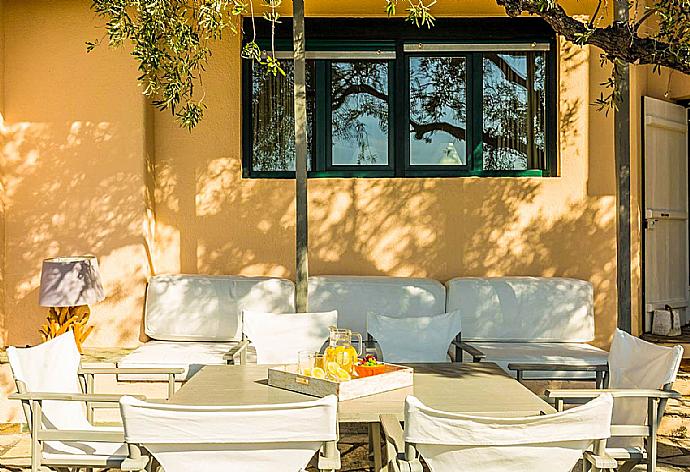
171, 41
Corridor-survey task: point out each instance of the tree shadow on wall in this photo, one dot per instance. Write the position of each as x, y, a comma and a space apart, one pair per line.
70, 189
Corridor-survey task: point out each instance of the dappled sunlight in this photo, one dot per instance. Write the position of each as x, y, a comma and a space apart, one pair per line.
68, 192
211, 220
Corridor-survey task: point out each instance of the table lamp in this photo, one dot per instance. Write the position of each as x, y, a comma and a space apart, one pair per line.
68, 286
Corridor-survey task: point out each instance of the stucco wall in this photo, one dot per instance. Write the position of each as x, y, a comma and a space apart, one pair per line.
73, 170
88, 167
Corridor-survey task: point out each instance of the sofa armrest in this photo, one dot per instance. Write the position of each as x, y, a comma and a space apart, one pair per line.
90, 372
81, 435
240, 349
476, 354
599, 369
585, 393
601, 460
70, 397
131, 370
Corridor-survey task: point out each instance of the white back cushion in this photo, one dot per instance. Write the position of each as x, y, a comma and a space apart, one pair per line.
261, 438
209, 307
278, 337
523, 309
549, 443
52, 367
355, 296
637, 364
414, 339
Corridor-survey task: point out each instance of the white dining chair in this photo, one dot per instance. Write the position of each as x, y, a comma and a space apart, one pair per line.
58, 402
414, 338
640, 377
256, 438
450, 442
278, 337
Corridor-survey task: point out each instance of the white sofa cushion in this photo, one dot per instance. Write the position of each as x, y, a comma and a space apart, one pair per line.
523, 309
503, 353
190, 356
208, 307
355, 296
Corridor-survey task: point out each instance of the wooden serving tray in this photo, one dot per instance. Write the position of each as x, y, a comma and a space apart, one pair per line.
395, 377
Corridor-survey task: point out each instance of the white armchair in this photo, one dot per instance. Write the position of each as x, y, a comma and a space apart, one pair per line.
414, 338
447, 441
257, 438
640, 377
58, 402
278, 337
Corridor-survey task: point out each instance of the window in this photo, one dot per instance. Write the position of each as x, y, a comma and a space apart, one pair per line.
438, 111
513, 111
360, 112
408, 107
273, 119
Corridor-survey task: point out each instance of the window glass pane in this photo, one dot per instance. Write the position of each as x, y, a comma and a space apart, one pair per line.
513, 111
273, 122
359, 107
539, 109
438, 111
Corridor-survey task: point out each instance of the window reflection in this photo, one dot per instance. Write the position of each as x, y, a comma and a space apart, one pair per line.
359, 108
273, 122
438, 111
513, 111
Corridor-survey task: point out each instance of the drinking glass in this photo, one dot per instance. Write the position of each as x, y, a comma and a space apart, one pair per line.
305, 362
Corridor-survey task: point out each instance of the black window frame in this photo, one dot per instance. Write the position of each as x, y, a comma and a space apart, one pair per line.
393, 35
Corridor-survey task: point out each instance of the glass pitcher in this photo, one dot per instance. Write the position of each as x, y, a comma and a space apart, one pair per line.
340, 349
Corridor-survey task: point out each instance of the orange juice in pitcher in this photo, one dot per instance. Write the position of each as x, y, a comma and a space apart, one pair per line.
340, 349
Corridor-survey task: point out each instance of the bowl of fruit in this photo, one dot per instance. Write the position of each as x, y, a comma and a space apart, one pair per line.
368, 366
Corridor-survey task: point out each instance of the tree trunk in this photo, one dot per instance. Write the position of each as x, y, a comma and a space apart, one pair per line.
622, 158
301, 220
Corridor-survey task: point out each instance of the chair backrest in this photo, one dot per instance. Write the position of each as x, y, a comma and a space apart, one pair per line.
209, 307
523, 309
549, 443
51, 367
637, 364
414, 339
278, 337
259, 438
355, 296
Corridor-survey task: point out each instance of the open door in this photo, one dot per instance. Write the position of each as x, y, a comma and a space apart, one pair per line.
666, 266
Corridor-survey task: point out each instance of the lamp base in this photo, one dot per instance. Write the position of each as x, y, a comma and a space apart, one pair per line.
63, 319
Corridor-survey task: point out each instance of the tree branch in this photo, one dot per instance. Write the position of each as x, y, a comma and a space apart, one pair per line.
617, 40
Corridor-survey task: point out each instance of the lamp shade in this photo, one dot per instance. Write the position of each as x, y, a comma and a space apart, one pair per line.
70, 281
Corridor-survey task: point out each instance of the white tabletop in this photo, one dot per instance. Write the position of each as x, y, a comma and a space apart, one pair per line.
472, 388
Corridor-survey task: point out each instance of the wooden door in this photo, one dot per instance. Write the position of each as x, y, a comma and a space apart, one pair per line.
665, 208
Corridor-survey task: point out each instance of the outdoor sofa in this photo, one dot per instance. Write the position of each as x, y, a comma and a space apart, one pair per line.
194, 320
528, 320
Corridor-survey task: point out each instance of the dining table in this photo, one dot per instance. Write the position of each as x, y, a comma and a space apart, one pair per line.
480, 389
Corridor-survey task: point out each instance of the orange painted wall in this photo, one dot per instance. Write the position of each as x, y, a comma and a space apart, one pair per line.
73, 165
88, 167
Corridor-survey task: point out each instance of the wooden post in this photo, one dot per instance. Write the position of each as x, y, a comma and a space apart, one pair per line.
622, 158
301, 220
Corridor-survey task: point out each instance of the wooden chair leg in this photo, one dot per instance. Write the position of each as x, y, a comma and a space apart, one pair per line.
586, 466
36, 452
376, 446
652, 404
